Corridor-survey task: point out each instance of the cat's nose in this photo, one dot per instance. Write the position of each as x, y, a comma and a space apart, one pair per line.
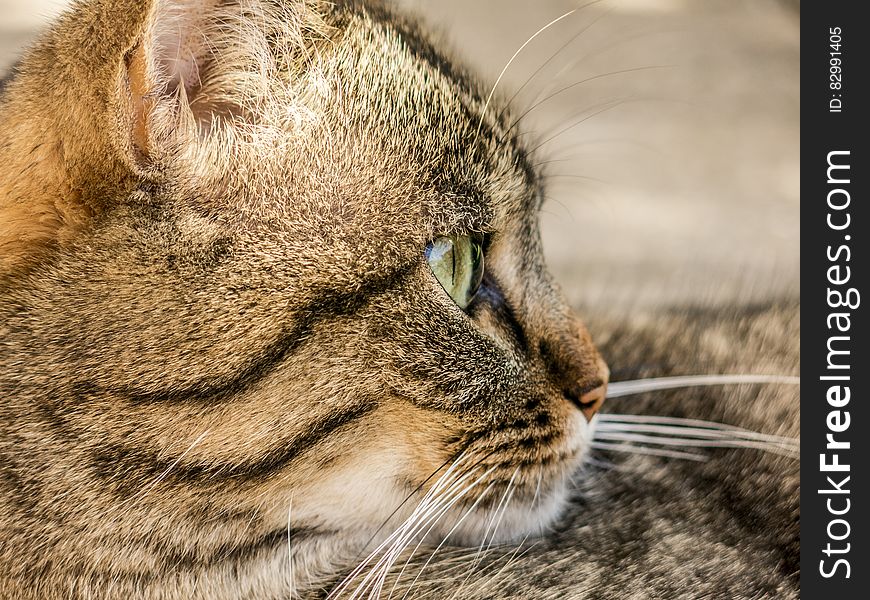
589, 397
591, 401
576, 367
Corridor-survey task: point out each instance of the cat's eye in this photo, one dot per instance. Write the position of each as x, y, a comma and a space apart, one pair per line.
457, 263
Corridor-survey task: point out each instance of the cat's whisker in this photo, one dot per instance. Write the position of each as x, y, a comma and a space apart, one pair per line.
445, 504
446, 537
586, 57
290, 547
396, 537
603, 418
512, 58
595, 142
430, 509
695, 432
609, 105
537, 497
424, 502
579, 83
426, 535
510, 490
433, 502
791, 452
515, 555
445, 497
165, 473
494, 519
481, 551
681, 426
774, 448
453, 461
632, 449
490, 522
617, 103
553, 56
617, 389
575, 176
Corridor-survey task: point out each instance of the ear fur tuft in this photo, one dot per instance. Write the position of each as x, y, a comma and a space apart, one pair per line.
119, 90
164, 73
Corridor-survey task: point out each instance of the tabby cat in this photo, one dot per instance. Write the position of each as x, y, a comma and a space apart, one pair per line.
274, 318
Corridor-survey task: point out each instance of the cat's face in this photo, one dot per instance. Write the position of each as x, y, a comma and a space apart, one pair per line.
317, 285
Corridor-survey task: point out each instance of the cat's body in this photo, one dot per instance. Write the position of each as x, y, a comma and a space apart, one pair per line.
227, 369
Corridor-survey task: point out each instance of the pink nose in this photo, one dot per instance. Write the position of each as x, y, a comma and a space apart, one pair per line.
591, 401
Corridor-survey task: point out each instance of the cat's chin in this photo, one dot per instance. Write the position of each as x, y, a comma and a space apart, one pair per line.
513, 522
531, 501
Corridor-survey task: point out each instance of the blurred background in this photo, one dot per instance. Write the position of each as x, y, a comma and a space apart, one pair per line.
669, 128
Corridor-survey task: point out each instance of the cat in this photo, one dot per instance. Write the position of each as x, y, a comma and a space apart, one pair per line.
272, 296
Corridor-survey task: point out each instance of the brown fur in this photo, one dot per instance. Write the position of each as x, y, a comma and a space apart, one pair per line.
219, 331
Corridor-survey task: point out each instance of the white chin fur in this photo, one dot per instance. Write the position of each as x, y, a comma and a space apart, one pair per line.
507, 518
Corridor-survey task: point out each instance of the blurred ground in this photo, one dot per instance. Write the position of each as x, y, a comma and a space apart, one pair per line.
688, 191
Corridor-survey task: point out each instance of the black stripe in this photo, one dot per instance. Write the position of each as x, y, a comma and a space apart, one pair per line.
331, 303
129, 469
194, 559
19, 492
173, 560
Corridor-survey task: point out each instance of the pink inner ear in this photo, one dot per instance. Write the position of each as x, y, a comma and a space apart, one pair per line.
200, 60
177, 46
166, 66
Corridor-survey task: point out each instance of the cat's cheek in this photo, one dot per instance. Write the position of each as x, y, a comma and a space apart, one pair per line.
361, 480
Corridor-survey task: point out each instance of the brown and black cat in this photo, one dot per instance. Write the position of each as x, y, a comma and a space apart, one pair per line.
273, 312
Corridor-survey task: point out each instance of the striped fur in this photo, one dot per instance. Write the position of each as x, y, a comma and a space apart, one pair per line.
219, 337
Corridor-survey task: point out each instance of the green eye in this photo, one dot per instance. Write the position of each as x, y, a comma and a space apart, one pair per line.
457, 263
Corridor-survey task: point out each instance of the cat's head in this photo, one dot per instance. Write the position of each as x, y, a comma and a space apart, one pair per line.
271, 257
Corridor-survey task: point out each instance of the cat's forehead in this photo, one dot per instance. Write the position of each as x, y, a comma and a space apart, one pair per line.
400, 124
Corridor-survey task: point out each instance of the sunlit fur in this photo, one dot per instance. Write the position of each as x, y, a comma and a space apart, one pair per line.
640, 525
223, 358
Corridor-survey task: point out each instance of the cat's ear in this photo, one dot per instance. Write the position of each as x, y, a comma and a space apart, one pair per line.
164, 101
